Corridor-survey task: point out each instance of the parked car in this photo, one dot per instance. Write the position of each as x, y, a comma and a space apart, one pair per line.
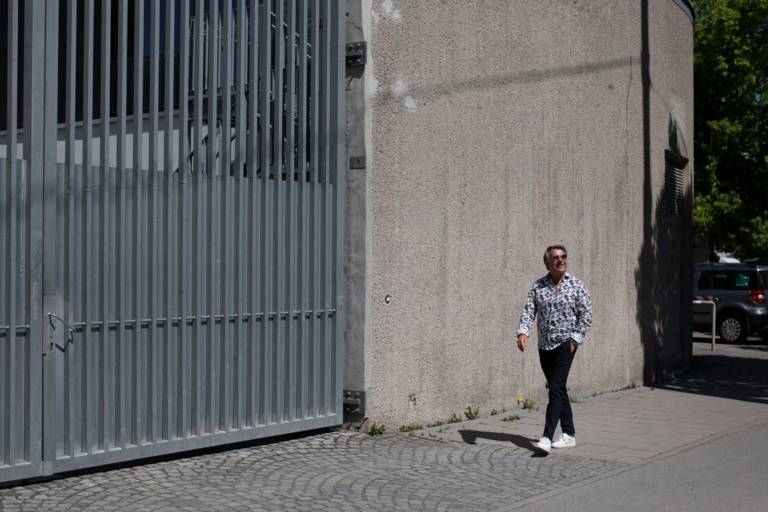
739, 292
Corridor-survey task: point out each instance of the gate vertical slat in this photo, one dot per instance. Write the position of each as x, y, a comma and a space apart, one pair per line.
48, 235
240, 416
182, 179
196, 213
122, 98
105, 235
5, 333
137, 374
153, 226
278, 220
301, 387
70, 402
143, 234
10, 372
226, 366
198, 64
226, 388
211, 368
290, 259
198, 208
89, 433
213, 66
239, 380
265, 59
169, 307
226, 87
252, 157
195, 124
39, 132
186, 337
202, 334
315, 210
337, 145
198, 299
5, 300
326, 137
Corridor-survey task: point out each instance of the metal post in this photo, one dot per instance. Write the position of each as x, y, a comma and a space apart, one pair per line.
714, 317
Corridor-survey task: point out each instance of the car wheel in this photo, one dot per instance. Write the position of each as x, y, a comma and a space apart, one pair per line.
732, 329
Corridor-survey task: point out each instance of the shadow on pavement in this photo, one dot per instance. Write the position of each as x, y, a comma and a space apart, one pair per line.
762, 348
471, 436
735, 372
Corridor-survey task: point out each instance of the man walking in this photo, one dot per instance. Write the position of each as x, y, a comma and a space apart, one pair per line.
564, 312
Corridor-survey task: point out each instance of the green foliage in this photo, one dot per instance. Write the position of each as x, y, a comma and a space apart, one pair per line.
510, 418
454, 418
731, 124
493, 412
472, 413
529, 405
376, 429
410, 427
436, 424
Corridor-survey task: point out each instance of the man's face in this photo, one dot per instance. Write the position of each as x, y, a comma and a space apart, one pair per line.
558, 260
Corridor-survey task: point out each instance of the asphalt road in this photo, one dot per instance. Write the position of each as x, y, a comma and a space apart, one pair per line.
727, 473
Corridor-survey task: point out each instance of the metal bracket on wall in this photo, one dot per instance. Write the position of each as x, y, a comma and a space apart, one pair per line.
357, 162
357, 53
354, 405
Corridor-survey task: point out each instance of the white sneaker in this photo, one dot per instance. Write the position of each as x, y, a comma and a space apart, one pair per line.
565, 441
543, 445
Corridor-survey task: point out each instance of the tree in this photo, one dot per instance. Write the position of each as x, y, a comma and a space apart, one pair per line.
731, 124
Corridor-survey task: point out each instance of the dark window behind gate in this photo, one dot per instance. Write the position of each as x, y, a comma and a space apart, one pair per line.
170, 218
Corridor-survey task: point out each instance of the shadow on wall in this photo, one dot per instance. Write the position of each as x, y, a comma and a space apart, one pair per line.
662, 279
664, 265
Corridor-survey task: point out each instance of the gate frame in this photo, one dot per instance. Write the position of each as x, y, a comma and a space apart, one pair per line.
40, 136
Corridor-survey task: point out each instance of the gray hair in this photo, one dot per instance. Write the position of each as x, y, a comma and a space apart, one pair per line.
546, 253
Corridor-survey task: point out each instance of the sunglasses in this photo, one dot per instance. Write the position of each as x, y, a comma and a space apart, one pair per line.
556, 257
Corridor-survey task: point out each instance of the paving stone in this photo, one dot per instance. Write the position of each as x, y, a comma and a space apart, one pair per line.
332, 471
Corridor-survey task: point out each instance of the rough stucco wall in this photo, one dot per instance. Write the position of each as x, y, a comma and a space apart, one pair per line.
498, 128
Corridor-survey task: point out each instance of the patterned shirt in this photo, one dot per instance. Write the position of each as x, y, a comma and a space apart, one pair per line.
564, 313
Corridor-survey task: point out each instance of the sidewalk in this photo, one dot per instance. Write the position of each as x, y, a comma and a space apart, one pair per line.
727, 391
482, 465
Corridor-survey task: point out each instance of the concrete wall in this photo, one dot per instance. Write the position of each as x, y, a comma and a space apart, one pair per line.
493, 129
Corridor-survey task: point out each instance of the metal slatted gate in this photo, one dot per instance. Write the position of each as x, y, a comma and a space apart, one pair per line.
170, 229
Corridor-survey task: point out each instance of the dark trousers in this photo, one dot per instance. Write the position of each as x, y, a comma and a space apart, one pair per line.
556, 365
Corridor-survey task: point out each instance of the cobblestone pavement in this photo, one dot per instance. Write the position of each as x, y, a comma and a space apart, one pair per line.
334, 471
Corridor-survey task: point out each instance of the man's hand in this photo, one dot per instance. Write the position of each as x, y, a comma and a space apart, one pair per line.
522, 341
574, 346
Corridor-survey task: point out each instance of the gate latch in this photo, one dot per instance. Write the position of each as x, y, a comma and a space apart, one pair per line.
70, 330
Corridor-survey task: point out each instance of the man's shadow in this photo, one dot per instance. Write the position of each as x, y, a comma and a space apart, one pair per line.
471, 436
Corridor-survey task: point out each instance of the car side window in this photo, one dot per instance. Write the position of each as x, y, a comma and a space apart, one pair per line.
743, 280
712, 280
739, 280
